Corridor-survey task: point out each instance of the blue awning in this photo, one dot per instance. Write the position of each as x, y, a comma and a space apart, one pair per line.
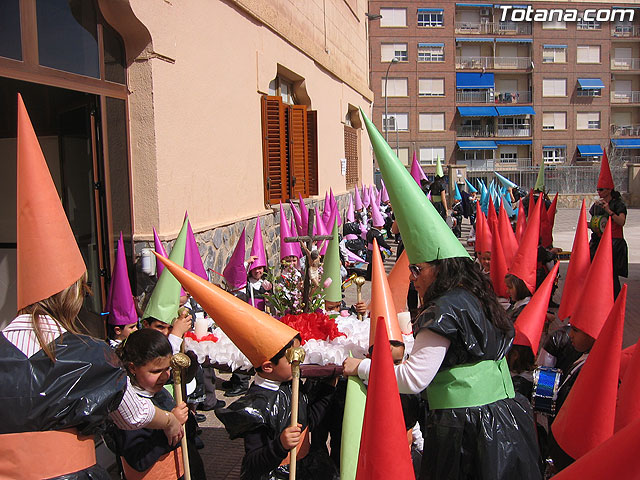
477, 145
590, 150
474, 39
420, 45
513, 142
626, 143
590, 83
477, 111
554, 46
424, 10
481, 5
474, 80
551, 147
510, 111
514, 40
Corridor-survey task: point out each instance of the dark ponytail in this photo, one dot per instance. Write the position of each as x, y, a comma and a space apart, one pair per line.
144, 346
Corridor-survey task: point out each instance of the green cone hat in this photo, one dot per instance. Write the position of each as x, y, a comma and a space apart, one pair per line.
539, 186
425, 234
331, 267
165, 299
439, 171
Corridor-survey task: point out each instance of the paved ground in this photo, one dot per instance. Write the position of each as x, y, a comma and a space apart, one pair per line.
222, 457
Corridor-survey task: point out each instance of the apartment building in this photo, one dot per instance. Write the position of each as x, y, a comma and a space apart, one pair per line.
460, 82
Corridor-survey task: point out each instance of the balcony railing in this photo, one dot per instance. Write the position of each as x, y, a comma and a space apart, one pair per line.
485, 96
512, 62
521, 96
625, 64
629, 158
514, 164
625, 97
625, 31
474, 62
625, 130
475, 131
521, 131
496, 28
502, 63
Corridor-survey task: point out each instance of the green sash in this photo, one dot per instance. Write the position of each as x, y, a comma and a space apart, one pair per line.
470, 385
436, 198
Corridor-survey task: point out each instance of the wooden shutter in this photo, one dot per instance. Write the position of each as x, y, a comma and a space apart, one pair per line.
274, 155
351, 154
312, 148
298, 151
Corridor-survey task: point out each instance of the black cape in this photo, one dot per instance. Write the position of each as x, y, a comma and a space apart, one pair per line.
496, 441
78, 390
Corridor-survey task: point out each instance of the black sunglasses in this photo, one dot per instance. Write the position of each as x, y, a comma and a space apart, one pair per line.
600, 189
415, 270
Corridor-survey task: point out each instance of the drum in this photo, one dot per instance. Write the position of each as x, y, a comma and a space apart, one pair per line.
546, 382
597, 223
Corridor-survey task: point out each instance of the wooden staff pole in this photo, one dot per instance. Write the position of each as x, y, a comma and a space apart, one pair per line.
295, 356
179, 362
359, 281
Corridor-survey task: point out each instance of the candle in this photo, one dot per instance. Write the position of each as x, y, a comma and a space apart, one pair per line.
404, 320
201, 326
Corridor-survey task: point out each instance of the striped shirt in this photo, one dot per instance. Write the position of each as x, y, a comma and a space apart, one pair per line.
133, 412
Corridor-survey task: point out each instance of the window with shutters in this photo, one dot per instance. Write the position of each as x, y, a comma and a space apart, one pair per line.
289, 149
395, 87
588, 121
554, 87
588, 54
393, 17
554, 54
430, 155
554, 121
431, 122
351, 154
395, 121
389, 51
431, 87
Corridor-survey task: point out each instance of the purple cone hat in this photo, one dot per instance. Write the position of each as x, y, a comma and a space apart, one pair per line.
158, 247
122, 310
376, 216
358, 201
326, 231
334, 206
385, 195
235, 275
366, 201
326, 210
257, 248
286, 248
416, 170
192, 259
296, 245
296, 217
351, 216
304, 215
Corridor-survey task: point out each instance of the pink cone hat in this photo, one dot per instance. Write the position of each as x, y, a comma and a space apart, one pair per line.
366, 200
334, 206
376, 216
325, 231
192, 258
351, 217
296, 217
358, 201
286, 248
385, 195
416, 170
257, 248
122, 310
296, 245
235, 275
373, 194
159, 248
304, 216
326, 209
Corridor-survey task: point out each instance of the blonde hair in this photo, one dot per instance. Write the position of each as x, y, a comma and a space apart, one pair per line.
63, 307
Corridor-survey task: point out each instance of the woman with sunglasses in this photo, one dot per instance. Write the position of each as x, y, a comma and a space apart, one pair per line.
610, 207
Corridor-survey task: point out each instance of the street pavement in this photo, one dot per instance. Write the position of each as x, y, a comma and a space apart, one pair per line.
222, 457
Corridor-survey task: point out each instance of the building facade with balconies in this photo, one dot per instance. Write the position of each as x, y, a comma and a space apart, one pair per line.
473, 89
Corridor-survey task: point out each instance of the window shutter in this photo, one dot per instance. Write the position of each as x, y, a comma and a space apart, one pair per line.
274, 147
351, 154
312, 149
298, 151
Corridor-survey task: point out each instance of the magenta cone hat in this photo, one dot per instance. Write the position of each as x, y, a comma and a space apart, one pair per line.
296, 217
304, 216
376, 216
366, 200
351, 217
192, 258
296, 245
358, 200
257, 248
235, 274
286, 248
384, 196
120, 305
158, 247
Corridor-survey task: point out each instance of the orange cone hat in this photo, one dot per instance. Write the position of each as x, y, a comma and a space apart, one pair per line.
596, 298
578, 266
258, 335
526, 258
507, 236
498, 265
384, 452
530, 322
628, 410
399, 279
48, 256
483, 233
605, 180
521, 224
586, 418
616, 458
381, 299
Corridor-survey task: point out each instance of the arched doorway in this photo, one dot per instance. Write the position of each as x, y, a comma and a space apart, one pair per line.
69, 65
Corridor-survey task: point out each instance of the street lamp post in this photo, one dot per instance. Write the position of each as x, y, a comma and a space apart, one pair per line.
386, 96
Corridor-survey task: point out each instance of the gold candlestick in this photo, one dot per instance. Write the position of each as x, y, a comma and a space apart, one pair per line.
179, 362
295, 356
359, 281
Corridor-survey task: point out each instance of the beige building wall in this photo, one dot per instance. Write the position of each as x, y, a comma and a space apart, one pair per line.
195, 115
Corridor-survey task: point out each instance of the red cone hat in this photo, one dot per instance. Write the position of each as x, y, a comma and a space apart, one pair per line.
625, 359
546, 229
382, 305
596, 298
578, 266
605, 180
616, 458
521, 224
586, 418
628, 410
48, 257
399, 279
526, 258
530, 322
384, 451
492, 218
507, 237
551, 212
483, 233
498, 266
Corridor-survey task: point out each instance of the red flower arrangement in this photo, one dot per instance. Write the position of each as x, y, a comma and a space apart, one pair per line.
207, 338
318, 326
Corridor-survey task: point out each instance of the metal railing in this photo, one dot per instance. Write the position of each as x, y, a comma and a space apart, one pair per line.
473, 131
625, 63
522, 131
625, 130
512, 62
625, 31
521, 96
630, 158
497, 28
625, 97
485, 96
474, 62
